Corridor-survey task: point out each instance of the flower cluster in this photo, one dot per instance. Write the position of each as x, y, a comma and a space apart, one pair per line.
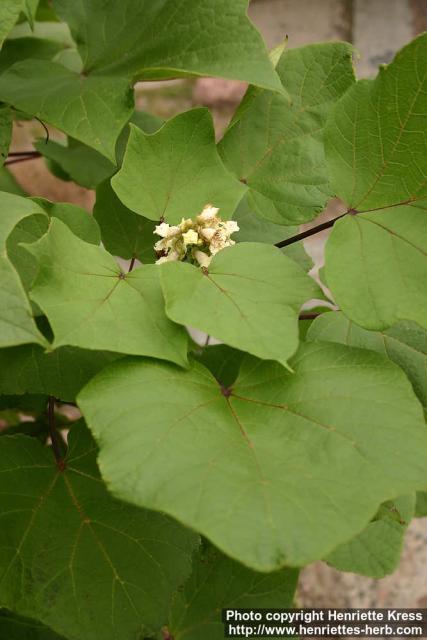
195, 240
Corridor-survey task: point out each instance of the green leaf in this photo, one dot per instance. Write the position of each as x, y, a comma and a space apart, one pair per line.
17, 628
421, 505
60, 373
218, 582
405, 344
375, 552
5, 131
256, 229
376, 267
250, 298
124, 233
376, 143
175, 172
16, 322
91, 303
81, 163
9, 13
22, 48
275, 145
376, 140
92, 109
279, 469
71, 556
149, 39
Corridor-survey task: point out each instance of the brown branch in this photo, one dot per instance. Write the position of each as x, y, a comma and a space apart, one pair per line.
33, 156
23, 153
313, 231
56, 447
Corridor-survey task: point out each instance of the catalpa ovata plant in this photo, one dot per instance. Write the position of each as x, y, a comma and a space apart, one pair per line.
186, 479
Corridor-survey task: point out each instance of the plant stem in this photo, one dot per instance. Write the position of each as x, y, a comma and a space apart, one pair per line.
54, 434
33, 156
312, 232
23, 153
132, 264
310, 316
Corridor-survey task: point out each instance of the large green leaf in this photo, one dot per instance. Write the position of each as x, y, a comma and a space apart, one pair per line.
376, 267
279, 469
249, 298
375, 552
376, 143
93, 109
276, 147
405, 344
74, 558
124, 232
218, 582
91, 303
16, 322
60, 373
149, 39
175, 172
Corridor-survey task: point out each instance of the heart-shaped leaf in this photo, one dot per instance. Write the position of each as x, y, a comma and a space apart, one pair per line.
278, 469
149, 39
276, 146
175, 172
249, 298
91, 303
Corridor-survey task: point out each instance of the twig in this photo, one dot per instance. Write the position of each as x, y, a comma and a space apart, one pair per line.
33, 156
313, 231
132, 264
54, 434
44, 127
23, 153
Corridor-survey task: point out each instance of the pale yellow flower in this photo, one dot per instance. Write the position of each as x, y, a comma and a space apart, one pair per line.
190, 237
